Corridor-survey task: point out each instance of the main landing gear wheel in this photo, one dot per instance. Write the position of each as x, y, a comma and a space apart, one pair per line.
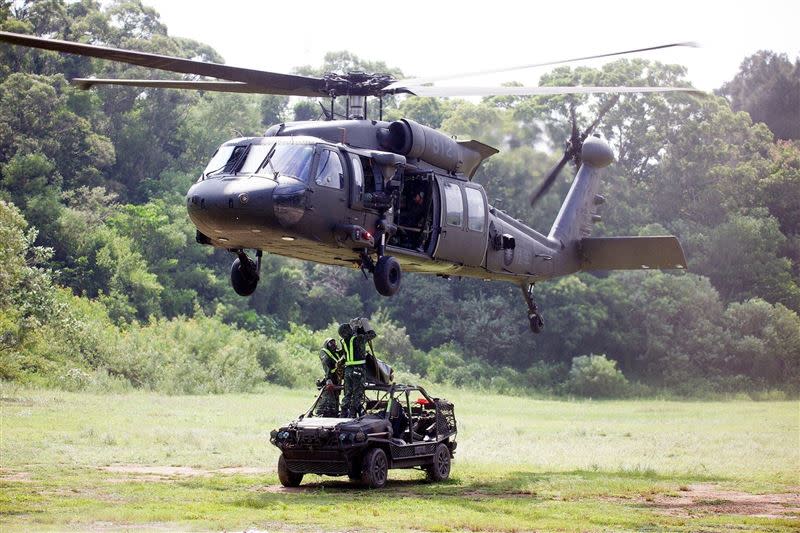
387, 275
245, 274
534, 316
286, 476
440, 469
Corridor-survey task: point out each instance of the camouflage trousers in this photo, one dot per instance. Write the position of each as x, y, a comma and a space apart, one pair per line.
353, 401
328, 405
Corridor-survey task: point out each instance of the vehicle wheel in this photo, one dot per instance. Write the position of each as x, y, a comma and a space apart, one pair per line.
286, 476
243, 279
387, 275
376, 469
440, 469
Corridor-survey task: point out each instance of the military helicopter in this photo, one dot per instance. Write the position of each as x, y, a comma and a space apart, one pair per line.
385, 197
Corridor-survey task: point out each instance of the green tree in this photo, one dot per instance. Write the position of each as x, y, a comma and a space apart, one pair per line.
764, 343
596, 377
742, 257
27, 298
767, 87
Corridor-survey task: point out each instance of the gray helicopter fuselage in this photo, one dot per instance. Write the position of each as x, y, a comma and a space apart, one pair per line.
314, 214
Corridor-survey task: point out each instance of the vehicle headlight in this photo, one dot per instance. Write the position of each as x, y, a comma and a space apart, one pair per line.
360, 437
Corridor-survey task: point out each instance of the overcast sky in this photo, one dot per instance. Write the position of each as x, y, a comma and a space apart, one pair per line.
439, 37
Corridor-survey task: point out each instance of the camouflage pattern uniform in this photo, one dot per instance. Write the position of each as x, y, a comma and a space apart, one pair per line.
355, 351
332, 360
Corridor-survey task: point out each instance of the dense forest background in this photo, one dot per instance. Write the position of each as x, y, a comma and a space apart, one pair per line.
102, 286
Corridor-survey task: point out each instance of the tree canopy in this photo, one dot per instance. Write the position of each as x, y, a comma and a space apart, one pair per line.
99, 262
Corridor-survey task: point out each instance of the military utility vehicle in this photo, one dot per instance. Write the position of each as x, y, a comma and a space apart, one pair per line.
402, 427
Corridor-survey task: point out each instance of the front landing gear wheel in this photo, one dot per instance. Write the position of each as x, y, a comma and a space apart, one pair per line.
375, 469
245, 273
387, 275
440, 469
286, 476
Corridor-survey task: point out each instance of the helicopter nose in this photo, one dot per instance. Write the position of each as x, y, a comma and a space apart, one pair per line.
224, 208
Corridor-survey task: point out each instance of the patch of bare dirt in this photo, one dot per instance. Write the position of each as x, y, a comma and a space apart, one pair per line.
167, 473
708, 498
280, 489
18, 477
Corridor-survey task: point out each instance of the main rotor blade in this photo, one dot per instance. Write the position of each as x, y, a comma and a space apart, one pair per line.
421, 81
427, 90
218, 86
550, 179
267, 82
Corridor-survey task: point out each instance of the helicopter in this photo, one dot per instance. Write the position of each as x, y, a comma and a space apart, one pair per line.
385, 197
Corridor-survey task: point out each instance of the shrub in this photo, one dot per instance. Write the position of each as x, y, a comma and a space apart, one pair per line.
596, 376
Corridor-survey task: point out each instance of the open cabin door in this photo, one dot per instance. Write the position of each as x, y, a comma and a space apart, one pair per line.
462, 223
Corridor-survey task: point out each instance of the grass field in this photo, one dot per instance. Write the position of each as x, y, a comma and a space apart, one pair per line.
145, 461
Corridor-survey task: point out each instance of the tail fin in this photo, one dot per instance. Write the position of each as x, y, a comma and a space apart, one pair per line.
574, 220
631, 253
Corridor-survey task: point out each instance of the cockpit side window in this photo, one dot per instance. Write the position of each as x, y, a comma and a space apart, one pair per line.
358, 171
329, 170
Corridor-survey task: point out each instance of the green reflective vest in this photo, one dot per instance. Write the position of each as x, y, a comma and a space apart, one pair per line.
350, 353
334, 358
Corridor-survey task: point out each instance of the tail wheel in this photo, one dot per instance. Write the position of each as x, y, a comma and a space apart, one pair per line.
440, 469
375, 469
286, 476
387, 275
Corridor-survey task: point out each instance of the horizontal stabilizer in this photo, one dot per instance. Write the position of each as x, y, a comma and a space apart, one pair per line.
631, 253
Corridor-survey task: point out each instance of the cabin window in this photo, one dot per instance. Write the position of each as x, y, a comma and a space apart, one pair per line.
454, 203
329, 170
476, 214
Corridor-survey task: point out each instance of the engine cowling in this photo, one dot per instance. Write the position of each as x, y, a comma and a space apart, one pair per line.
416, 141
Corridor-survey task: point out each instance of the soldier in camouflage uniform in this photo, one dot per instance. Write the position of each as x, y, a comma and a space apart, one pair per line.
355, 337
332, 359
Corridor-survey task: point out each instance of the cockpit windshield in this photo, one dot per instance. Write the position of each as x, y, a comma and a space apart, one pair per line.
220, 159
287, 160
265, 159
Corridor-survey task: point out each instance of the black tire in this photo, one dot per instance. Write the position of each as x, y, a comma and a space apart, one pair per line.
286, 476
243, 280
440, 469
387, 276
376, 469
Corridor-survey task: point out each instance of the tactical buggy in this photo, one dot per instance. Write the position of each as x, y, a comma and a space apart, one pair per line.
402, 427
